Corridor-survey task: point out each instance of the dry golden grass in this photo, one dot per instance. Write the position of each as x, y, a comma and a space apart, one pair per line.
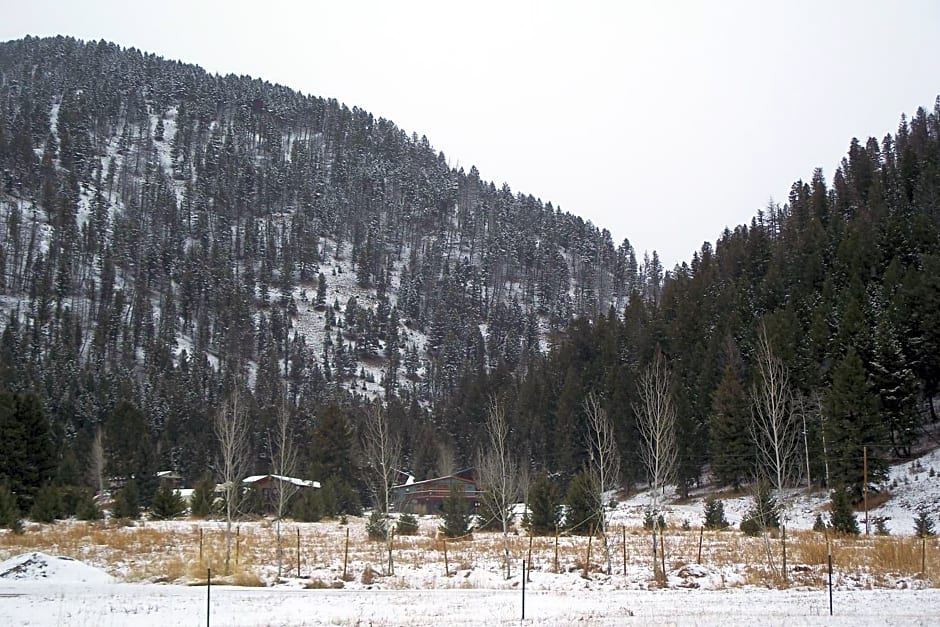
171, 552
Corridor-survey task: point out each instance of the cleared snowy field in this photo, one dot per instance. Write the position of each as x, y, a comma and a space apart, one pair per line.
102, 605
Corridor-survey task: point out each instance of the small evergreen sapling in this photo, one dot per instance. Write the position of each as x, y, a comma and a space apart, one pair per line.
200, 502
127, 501
456, 515
407, 525
924, 526
376, 526
764, 515
881, 526
843, 518
715, 514
543, 514
819, 524
167, 503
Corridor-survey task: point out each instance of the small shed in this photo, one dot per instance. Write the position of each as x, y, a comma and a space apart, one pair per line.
428, 496
269, 486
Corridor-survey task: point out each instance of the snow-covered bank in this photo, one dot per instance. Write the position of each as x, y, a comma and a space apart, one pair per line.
39, 567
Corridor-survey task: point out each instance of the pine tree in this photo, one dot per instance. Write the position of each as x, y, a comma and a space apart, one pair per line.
924, 526
852, 422
543, 515
9, 509
715, 514
166, 503
127, 501
764, 514
407, 525
200, 502
47, 505
732, 451
456, 514
377, 525
842, 519
582, 510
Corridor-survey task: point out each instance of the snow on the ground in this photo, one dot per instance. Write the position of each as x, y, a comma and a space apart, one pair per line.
149, 604
36, 566
913, 485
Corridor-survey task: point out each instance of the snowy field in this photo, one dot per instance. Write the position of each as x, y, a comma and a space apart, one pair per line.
102, 605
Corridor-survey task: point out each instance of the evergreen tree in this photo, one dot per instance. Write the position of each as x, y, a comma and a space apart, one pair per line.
543, 516
200, 501
456, 514
166, 503
47, 505
842, 519
715, 514
764, 514
127, 501
407, 525
27, 458
9, 509
377, 526
582, 513
732, 450
852, 422
924, 526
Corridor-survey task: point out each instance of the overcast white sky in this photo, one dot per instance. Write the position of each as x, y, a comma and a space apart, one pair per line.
663, 122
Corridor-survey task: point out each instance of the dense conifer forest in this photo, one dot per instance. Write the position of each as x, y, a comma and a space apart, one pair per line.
171, 236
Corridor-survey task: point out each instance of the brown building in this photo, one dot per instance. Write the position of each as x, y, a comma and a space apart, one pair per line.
269, 486
428, 496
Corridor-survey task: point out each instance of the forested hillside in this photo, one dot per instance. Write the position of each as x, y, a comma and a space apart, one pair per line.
170, 236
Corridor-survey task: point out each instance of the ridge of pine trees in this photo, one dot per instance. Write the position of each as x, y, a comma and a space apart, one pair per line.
167, 230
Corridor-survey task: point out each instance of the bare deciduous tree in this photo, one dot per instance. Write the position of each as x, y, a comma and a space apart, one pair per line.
231, 430
776, 426
383, 451
603, 462
498, 473
656, 419
282, 449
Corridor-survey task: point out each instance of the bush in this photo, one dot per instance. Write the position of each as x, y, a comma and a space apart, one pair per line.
715, 514
166, 503
407, 525
47, 505
923, 525
842, 519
